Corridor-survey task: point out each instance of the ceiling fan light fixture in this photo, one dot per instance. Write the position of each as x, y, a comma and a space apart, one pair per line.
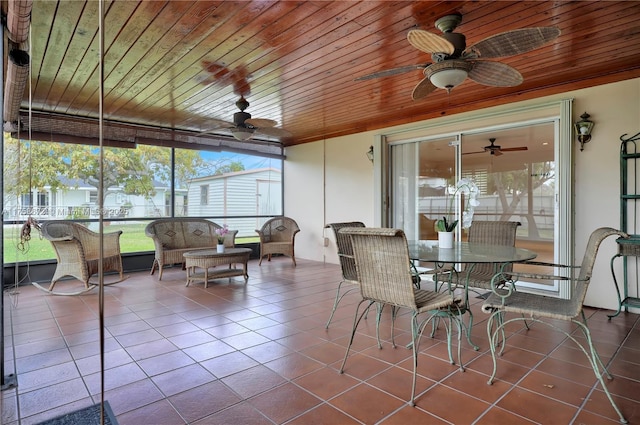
448, 73
448, 78
242, 133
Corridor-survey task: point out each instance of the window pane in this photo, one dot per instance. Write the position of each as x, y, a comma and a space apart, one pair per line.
138, 186
230, 188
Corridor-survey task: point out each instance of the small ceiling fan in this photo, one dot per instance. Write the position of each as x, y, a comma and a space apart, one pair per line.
496, 150
244, 127
453, 62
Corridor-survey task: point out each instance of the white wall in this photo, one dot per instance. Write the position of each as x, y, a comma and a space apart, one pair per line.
332, 180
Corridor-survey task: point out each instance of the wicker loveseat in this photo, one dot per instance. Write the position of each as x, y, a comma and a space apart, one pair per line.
172, 237
78, 252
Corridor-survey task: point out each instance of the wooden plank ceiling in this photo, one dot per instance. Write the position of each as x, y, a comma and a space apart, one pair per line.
182, 65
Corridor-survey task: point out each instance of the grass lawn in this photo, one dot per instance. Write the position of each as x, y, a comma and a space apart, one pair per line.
132, 239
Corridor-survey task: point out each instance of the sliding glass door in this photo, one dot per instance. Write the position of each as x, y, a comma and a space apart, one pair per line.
514, 168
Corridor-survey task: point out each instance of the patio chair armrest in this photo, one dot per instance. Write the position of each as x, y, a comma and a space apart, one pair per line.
503, 283
60, 239
545, 264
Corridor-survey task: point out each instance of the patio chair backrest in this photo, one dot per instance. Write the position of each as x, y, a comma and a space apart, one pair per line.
382, 258
345, 249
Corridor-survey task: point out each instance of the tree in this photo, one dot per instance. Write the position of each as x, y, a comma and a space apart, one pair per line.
35, 165
512, 186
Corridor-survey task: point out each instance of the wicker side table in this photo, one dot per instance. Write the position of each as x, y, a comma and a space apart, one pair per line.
207, 258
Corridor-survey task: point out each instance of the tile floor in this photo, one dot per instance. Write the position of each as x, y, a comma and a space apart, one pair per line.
260, 354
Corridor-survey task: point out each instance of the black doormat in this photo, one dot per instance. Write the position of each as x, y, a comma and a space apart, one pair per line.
86, 416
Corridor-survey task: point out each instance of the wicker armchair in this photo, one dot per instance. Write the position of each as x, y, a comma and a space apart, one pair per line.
277, 236
347, 262
381, 257
78, 253
530, 307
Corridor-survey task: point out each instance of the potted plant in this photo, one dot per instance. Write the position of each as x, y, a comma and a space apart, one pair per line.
221, 233
446, 226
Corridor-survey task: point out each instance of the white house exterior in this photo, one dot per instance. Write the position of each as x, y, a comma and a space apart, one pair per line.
80, 200
228, 195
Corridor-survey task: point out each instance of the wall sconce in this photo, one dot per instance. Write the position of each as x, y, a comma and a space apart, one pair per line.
583, 130
370, 153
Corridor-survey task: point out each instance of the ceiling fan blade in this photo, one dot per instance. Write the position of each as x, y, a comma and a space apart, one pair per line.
429, 42
423, 88
391, 72
519, 148
261, 122
215, 124
512, 42
495, 74
274, 132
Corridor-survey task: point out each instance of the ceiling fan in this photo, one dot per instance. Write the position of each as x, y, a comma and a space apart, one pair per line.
496, 150
244, 127
453, 62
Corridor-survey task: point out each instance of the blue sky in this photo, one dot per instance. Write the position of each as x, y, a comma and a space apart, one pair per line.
249, 161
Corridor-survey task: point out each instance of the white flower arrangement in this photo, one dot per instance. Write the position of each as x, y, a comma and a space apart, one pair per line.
464, 186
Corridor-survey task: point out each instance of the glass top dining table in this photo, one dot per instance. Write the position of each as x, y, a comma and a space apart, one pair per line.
465, 252
472, 254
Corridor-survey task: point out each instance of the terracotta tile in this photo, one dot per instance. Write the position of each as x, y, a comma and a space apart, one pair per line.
323, 414
228, 364
114, 377
183, 379
500, 416
165, 362
203, 401
293, 365
190, 339
284, 402
397, 382
411, 415
476, 385
56, 395
150, 349
445, 402
242, 413
160, 412
255, 380
326, 383
570, 371
227, 330
362, 367
245, 340
555, 387
536, 407
136, 338
366, 403
326, 353
267, 352
46, 359
208, 350
115, 358
599, 404
285, 363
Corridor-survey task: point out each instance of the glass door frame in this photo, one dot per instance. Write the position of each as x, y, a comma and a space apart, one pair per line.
558, 112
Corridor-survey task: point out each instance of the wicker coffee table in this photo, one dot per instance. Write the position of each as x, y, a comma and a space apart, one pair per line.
207, 258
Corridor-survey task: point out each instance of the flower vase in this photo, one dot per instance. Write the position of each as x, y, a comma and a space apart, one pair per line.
445, 240
220, 248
